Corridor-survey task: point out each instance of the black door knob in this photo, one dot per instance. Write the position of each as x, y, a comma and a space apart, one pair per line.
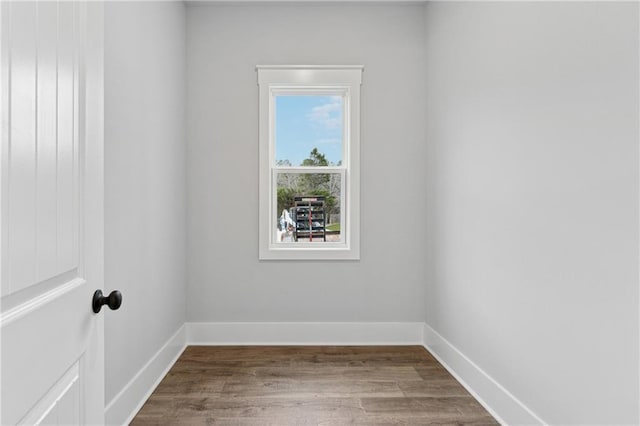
113, 300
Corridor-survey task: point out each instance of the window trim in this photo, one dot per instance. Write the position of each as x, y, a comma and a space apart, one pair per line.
285, 79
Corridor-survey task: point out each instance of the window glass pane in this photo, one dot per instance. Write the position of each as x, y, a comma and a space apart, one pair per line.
309, 130
308, 207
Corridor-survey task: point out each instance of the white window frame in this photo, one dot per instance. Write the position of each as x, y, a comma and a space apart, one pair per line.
311, 80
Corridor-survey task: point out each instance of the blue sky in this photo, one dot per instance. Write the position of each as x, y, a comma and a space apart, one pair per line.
306, 122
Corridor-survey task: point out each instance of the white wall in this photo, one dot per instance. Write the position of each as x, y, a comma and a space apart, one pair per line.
528, 182
145, 182
532, 117
226, 280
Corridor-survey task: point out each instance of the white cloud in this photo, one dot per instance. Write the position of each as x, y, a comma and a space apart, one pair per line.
328, 115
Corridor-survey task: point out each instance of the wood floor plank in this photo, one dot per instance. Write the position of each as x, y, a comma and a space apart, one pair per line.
405, 421
291, 388
270, 407
434, 372
191, 387
157, 408
351, 373
436, 387
310, 385
453, 408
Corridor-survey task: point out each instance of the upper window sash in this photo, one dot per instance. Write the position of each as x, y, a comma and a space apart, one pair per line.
342, 91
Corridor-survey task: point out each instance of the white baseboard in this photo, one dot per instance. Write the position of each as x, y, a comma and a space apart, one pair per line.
305, 333
498, 401
126, 404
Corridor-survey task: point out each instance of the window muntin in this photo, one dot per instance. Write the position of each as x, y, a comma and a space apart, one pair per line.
309, 168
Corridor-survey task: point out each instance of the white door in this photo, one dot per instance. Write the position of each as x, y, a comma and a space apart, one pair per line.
52, 368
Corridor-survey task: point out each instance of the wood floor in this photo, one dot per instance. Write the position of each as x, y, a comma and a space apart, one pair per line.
310, 385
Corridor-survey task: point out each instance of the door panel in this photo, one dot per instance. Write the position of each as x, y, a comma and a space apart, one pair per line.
67, 138
46, 135
22, 149
25, 370
52, 221
61, 404
43, 152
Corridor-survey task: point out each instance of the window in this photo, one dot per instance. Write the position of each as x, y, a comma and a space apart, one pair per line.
309, 162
